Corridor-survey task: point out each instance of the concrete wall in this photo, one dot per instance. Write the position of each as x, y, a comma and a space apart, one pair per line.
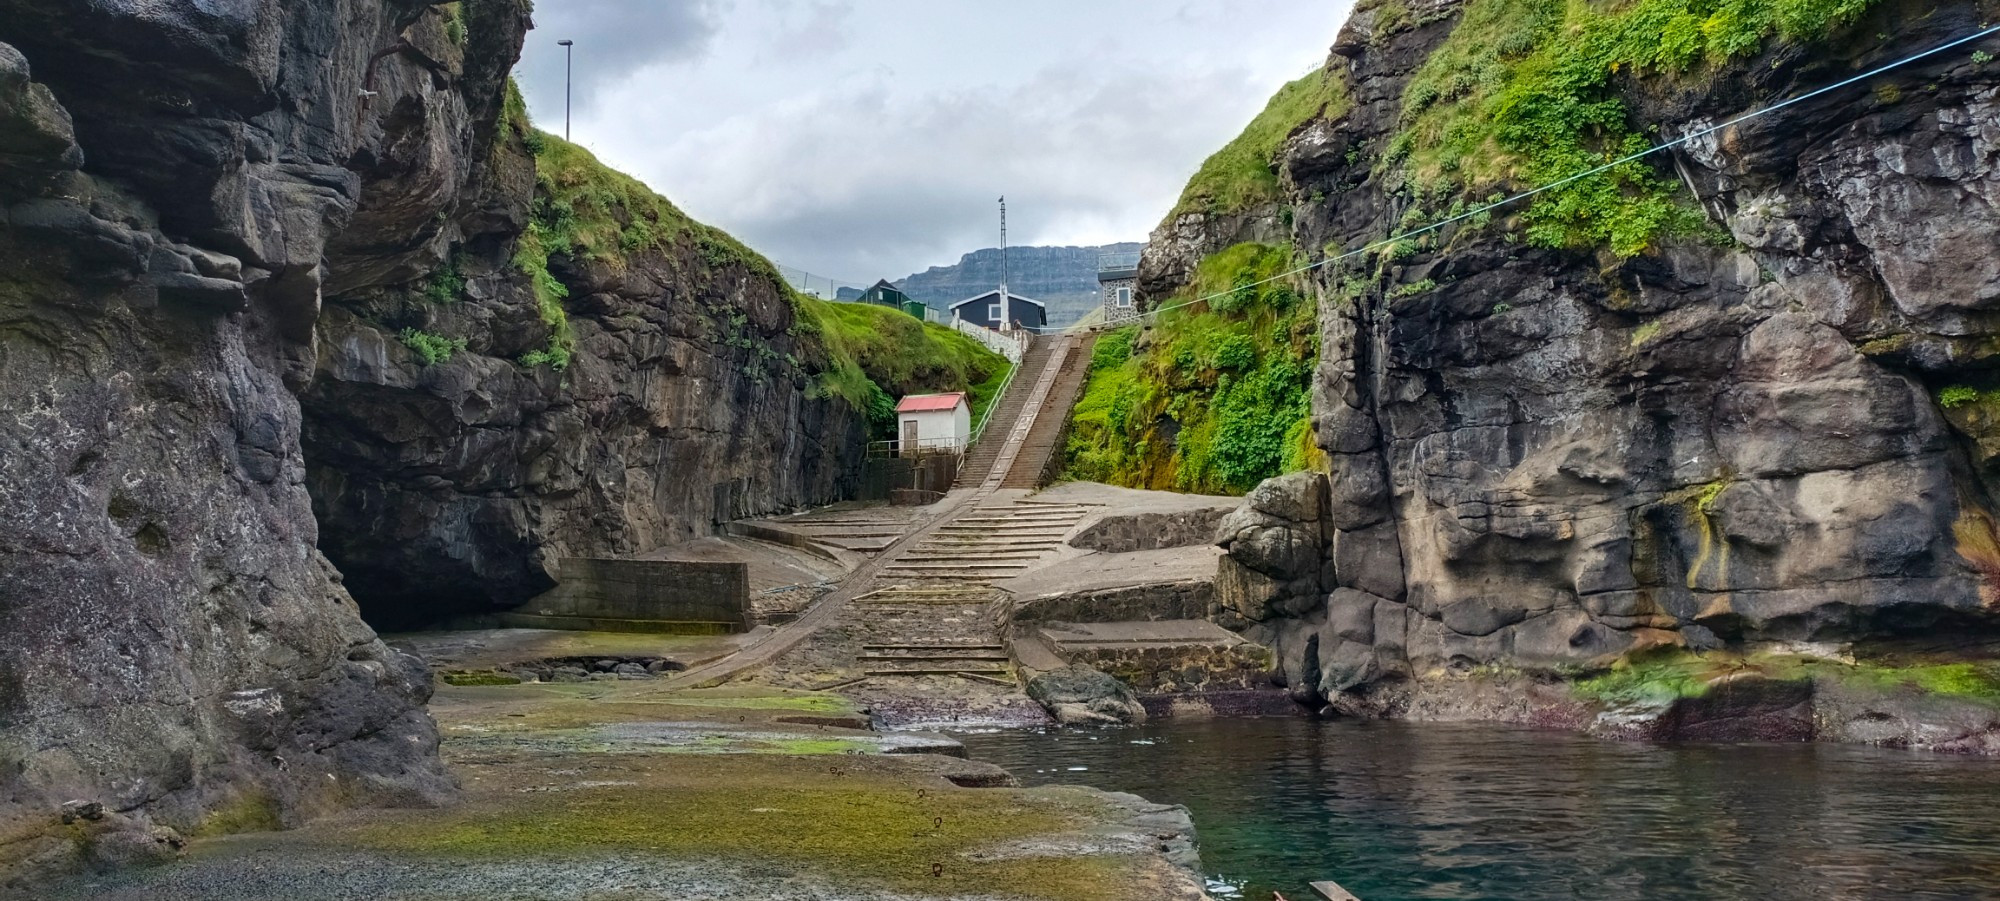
1113, 313
656, 590
937, 430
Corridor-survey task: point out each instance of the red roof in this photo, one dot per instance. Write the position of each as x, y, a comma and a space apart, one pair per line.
930, 403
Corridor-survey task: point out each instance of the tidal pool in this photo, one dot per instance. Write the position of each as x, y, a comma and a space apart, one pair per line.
1405, 811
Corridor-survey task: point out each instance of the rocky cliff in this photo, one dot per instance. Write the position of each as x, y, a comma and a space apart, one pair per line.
181, 182
1728, 396
278, 279
620, 379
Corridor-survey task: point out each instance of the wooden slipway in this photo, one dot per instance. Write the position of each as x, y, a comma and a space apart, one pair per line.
1332, 891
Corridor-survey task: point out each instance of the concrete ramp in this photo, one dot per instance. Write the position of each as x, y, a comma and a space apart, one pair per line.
667, 596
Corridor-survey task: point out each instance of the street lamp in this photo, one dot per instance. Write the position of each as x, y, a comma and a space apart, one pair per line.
569, 57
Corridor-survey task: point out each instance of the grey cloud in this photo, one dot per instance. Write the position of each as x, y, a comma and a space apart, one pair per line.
614, 38
856, 181
813, 28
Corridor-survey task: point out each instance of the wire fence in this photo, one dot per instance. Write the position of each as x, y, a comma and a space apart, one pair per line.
825, 287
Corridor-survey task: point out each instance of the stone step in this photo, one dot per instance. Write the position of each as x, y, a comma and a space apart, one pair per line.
950, 671
929, 657
935, 647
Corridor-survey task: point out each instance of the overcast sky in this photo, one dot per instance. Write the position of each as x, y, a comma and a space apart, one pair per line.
863, 139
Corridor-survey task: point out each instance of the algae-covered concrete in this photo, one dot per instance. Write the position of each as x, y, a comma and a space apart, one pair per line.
630, 789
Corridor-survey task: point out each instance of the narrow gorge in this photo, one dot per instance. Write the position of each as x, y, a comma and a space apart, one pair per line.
398, 501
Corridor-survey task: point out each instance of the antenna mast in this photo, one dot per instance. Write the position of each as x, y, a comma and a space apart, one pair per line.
1004, 299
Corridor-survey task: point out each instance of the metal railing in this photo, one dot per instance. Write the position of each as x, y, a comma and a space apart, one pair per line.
986, 416
1112, 262
917, 447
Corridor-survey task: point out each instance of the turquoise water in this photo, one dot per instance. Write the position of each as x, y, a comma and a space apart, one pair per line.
1398, 811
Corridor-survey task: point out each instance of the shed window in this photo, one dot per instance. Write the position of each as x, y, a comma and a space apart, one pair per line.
1124, 297
993, 312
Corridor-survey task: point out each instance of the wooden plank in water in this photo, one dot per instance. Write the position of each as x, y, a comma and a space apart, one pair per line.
1332, 891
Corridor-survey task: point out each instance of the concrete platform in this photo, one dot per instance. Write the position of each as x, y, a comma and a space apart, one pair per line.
1075, 637
1163, 657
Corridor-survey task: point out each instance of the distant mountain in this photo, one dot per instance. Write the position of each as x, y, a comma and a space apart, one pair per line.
1064, 278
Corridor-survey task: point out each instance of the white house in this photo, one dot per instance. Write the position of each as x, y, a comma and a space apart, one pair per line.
933, 422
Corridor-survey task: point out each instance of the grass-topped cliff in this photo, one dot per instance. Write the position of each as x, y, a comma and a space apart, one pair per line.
1527, 92
586, 211
880, 353
1243, 174
1210, 398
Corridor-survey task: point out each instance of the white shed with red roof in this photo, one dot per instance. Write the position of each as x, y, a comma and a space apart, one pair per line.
933, 422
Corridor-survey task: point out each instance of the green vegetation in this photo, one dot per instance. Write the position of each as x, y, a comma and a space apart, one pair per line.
587, 212
1981, 57
434, 349
1666, 675
1649, 680
1527, 92
447, 284
880, 353
249, 811
454, 22
1957, 396
1212, 397
1242, 173
1965, 681
854, 821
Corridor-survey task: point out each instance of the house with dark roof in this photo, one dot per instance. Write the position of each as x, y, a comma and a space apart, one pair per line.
988, 310
885, 294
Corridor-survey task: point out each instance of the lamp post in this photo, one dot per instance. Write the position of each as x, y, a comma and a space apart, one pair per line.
569, 66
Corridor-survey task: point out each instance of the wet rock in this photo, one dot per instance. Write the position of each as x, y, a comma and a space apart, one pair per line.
1080, 695
137, 846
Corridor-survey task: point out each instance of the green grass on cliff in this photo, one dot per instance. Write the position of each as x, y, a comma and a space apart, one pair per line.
1211, 398
881, 353
1526, 92
1243, 173
587, 211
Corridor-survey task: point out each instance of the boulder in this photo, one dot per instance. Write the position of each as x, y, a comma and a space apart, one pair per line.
1079, 695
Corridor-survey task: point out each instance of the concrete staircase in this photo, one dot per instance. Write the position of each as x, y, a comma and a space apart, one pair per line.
942, 617
978, 462
988, 543
1031, 462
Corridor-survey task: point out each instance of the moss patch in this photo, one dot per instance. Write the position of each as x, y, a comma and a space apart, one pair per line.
1664, 676
1965, 681
251, 812
1651, 680
863, 826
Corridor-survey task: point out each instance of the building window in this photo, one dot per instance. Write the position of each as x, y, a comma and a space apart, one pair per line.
993, 313
1124, 297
